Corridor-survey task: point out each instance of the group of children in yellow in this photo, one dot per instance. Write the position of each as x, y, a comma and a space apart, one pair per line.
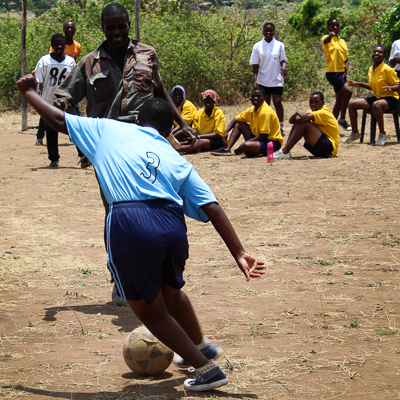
319, 126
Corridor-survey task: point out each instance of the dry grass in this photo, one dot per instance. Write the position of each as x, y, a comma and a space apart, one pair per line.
322, 324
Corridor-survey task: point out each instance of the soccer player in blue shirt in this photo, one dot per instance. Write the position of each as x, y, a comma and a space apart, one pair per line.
149, 188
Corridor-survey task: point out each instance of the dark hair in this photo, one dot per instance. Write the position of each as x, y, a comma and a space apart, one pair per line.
156, 113
269, 24
320, 94
114, 9
57, 36
330, 20
68, 22
258, 89
382, 47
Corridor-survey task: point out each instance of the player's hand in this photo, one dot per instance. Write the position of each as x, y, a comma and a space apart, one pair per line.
256, 83
63, 104
353, 83
344, 75
283, 72
250, 266
26, 83
190, 133
225, 137
387, 88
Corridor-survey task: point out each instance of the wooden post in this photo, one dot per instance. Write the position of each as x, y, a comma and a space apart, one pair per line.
23, 65
137, 20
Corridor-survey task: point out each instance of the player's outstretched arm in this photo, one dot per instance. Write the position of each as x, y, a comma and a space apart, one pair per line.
52, 115
250, 266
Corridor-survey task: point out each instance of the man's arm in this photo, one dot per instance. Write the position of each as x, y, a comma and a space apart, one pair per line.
249, 265
53, 116
256, 67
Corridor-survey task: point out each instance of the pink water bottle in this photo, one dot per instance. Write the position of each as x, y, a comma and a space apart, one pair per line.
270, 152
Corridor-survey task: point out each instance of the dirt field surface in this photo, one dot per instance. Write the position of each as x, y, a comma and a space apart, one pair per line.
323, 323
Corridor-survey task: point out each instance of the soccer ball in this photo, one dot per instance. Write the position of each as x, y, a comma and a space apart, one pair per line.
144, 354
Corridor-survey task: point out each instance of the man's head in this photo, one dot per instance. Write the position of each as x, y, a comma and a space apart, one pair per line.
115, 25
316, 101
69, 29
257, 97
58, 43
156, 113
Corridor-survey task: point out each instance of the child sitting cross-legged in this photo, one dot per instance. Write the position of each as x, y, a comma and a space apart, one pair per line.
209, 123
258, 125
318, 127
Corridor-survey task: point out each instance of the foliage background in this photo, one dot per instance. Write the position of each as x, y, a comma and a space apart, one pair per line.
209, 46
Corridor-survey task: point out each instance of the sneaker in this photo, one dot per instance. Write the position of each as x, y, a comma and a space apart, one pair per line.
381, 141
117, 300
221, 152
212, 379
278, 155
84, 161
352, 138
282, 132
210, 351
39, 142
54, 164
343, 123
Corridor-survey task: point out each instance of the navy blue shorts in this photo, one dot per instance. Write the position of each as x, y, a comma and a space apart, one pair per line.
147, 247
216, 143
323, 147
263, 144
273, 90
336, 80
390, 100
398, 74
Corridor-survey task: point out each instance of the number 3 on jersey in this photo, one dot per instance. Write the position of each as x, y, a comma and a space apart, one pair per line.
151, 166
56, 80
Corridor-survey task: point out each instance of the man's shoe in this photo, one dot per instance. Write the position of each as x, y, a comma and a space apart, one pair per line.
54, 164
117, 300
84, 161
210, 351
39, 142
221, 152
213, 378
352, 138
381, 141
343, 123
278, 155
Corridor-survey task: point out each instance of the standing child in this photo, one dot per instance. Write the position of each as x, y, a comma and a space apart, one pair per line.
317, 126
383, 81
268, 59
149, 187
337, 66
209, 123
258, 125
50, 72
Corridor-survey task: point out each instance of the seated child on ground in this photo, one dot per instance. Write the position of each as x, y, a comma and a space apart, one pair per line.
186, 108
149, 187
209, 123
383, 81
258, 125
317, 126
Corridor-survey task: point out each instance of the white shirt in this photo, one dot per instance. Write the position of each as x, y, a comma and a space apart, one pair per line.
269, 57
395, 52
51, 73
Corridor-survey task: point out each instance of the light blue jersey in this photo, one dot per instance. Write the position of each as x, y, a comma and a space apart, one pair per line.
135, 163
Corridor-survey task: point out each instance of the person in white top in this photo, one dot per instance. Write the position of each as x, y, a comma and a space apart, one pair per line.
394, 59
269, 60
50, 72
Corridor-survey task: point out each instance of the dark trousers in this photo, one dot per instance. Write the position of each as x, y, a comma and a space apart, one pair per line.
42, 129
52, 138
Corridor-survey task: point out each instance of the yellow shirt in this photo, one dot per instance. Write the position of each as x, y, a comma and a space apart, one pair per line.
187, 111
382, 76
204, 124
328, 125
264, 121
73, 50
336, 54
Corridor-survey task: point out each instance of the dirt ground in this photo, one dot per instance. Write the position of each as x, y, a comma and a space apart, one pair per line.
323, 323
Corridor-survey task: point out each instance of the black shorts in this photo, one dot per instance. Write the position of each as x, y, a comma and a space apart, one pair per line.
264, 143
323, 147
147, 247
336, 80
392, 101
216, 143
273, 90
